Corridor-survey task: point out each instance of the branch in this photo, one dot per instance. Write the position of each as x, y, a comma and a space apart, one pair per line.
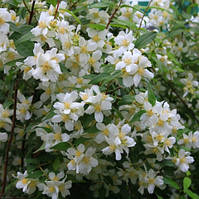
147, 8
111, 18
32, 12
10, 139
58, 1
26, 6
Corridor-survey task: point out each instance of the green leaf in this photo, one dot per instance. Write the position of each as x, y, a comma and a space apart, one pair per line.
145, 39
91, 130
186, 183
35, 174
123, 23
191, 194
49, 115
25, 37
49, 130
63, 146
73, 15
126, 99
81, 140
53, 2
102, 5
56, 164
159, 197
25, 48
97, 26
151, 96
22, 29
171, 183
137, 116
41, 148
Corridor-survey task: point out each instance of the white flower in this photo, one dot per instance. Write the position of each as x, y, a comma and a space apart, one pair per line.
67, 109
97, 38
190, 140
4, 17
3, 137
87, 161
153, 180
183, 160
142, 63
81, 160
47, 67
28, 185
52, 139
43, 24
99, 104
94, 60
51, 189
124, 42
4, 43
126, 13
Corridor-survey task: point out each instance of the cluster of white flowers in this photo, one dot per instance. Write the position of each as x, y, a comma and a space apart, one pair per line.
98, 128
80, 160
56, 183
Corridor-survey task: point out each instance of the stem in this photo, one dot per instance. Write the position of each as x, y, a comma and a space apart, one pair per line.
10, 140
111, 18
58, 1
26, 6
147, 8
23, 151
32, 12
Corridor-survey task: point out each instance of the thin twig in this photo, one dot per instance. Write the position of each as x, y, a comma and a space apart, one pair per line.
145, 11
26, 6
111, 17
111, 92
32, 12
10, 140
23, 151
58, 1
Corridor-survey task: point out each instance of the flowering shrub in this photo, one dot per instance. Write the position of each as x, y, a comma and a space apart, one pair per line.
99, 99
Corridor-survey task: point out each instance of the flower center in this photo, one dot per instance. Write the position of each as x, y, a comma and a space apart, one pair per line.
127, 61
46, 67
2, 21
24, 181
57, 136
96, 38
66, 105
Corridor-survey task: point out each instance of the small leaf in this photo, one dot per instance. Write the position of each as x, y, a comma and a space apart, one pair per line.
25, 49
137, 116
25, 37
171, 183
56, 164
81, 140
63, 146
97, 26
151, 97
191, 194
102, 5
186, 183
145, 39
72, 14
41, 148
35, 174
